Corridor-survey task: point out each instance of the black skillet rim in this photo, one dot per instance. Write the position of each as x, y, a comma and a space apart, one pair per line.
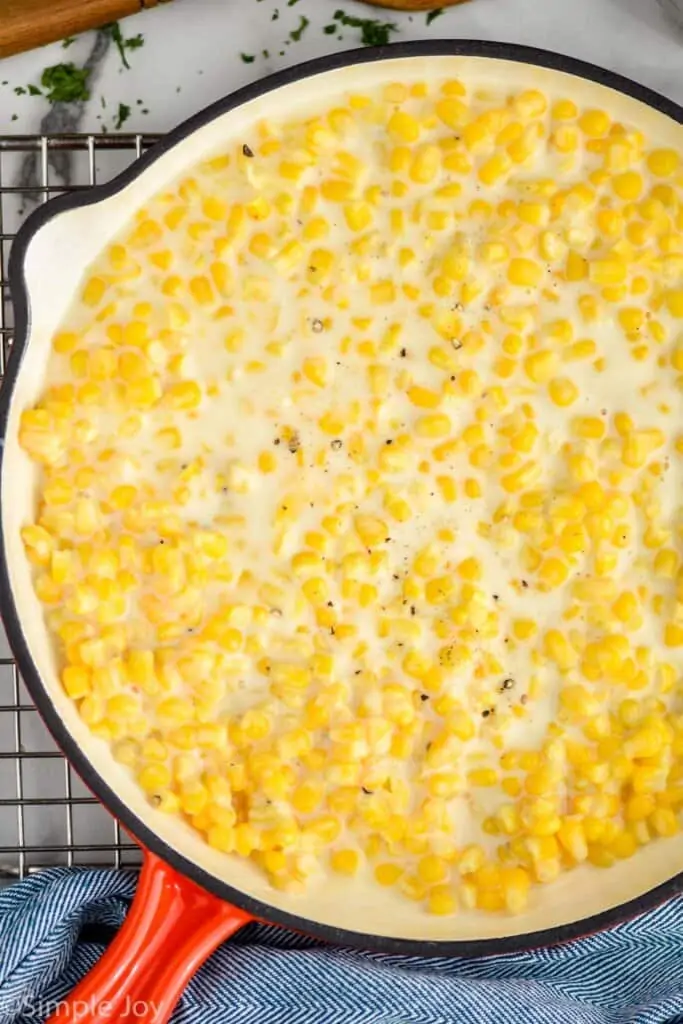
20, 298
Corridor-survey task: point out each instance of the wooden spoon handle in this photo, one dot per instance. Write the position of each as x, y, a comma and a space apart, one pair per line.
28, 23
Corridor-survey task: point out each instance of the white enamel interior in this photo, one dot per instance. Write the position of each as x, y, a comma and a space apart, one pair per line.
56, 261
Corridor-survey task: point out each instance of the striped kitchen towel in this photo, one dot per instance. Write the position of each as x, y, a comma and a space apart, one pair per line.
53, 927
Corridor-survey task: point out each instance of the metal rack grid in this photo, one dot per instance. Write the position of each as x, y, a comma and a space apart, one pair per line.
47, 816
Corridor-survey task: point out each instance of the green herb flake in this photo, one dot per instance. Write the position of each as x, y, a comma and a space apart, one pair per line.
122, 115
291, 3
296, 35
65, 83
247, 58
33, 90
265, 53
113, 30
67, 41
15, 117
373, 33
19, 90
329, 30
275, 15
434, 14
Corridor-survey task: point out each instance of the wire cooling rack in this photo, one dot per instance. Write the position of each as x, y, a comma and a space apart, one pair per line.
47, 816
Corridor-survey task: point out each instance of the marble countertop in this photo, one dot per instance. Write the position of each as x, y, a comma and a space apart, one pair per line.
192, 52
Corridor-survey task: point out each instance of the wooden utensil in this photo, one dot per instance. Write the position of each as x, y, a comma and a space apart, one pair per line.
28, 23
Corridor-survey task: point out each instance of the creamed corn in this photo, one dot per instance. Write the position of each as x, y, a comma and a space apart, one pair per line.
358, 530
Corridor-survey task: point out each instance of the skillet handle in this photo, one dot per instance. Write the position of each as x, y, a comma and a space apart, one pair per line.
171, 928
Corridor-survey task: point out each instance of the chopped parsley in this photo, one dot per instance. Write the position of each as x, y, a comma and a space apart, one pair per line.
67, 41
19, 90
275, 15
113, 30
122, 116
329, 30
372, 33
290, 3
247, 58
65, 83
296, 35
434, 14
33, 90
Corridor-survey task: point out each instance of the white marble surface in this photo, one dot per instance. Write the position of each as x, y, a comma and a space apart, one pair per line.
192, 50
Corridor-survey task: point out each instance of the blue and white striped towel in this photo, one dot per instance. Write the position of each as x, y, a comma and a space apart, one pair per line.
53, 928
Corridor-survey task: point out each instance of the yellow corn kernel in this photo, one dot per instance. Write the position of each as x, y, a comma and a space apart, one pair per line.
184, 395
423, 398
425, 164
564, 110
358, 216
524, 273
563, 391
154, 777
93, 292
608, 271
495, 168
628, 185
387, 874
442, 900
76, 680
594, 123
588, 427
452, 111
539, 366
345, 862
436, 425
673, 635
402, 127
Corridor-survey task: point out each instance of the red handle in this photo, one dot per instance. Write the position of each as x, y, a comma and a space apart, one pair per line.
172, 927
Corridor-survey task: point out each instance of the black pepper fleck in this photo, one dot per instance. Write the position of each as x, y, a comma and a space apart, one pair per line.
247, 150
336, 444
